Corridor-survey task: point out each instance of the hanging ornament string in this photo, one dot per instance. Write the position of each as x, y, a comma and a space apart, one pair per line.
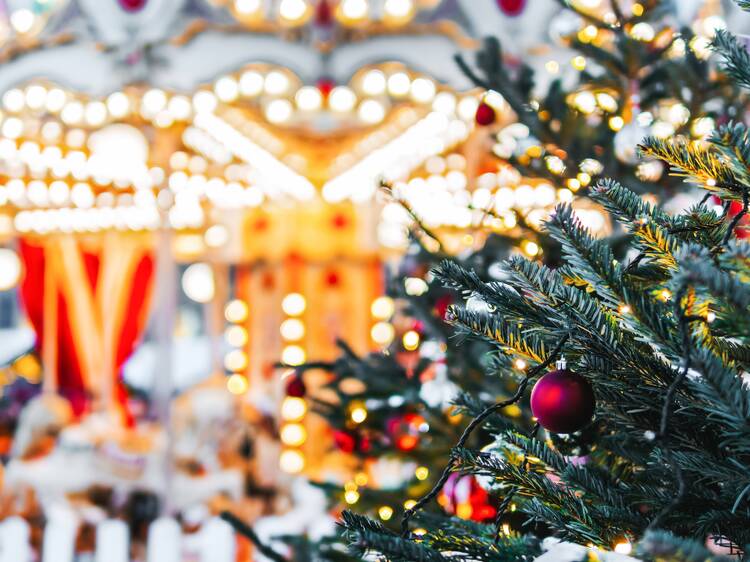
476, 422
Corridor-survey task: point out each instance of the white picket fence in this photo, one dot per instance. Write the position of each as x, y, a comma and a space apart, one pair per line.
215, 542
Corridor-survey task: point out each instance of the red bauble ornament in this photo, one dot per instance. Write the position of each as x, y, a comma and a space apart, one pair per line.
563, 401
296, 387
511, 7
345, 441
325, 85
485, 114
132, 5
405, 430
323, 13
464, 497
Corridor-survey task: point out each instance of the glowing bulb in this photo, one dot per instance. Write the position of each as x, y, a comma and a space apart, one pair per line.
354, 9
22, 20
293, 408
385, 512
342, 99
371, 111
382, 308
293, 304
198, 282
642, 31
216, 236
358, 414
13, 100
10, 269
399, 9
351, 496
616, 123
410, 340
251, 83
382, 333
422, 473
308, 98
237, 384
276, 83
293, 434
236, 360
520, 364
292, 461
278, 111
531, 248
204, 102
248, 7
236, 311
423, 90
293, 10
118, 104
374, 83
415, 286
236, 336
292, 329
293, 355
227, 89
623, 547
399, 84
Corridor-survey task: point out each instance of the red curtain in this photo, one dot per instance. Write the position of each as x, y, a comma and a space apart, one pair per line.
118, 311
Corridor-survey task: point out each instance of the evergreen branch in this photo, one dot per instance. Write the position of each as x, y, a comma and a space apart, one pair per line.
736, 58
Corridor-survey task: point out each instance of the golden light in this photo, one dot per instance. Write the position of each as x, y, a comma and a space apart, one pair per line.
293, 11
292, 461
399, 84
382, 308
353, 10
531, 248
351, 496
623, 547
408, 504
374, 83
422, 90
422, 473
236, 311
10, 269
227, 89
385, 512
371, 111
398, 11
382, 333
293, 408
276, 83
292, 329
579, 62
198, 282
308, 98
607, 102
248, 7
235, 360
342, 99
464, 511
237, 384
410, 340
293, 355
624, 309
361, 479
358, 414
702, 127
293, 304
520, 364
616, 123
415, 286
236, 336
642, 31
278, 111
251, 83
293, 434
216, 236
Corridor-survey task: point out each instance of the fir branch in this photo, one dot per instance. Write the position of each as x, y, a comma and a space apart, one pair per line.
736, 58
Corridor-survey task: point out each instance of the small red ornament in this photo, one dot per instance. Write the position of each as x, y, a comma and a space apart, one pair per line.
563, 401
323, 13
296, 387
485, 114
511, 7
132, 5
405, 430
325, 85
464, 497
345, 441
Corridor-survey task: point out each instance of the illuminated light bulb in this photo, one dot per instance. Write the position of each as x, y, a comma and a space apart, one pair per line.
10, 269
399, 84
292, 461
531, 248
292, 329
358, 414
95, 113
444, 102
382, 308
679, 114
276, 83
607, 102
702, 127
342, 99
227, 89
642, 31
82, 196
409, 504
204, 102
354, 9
410, 340
623, 548
216, 236
385, 512
555, 164
371, 111
398, 9
293, 304
22, 20
382, 333
351, 496
616, 123
59, 193
494, 99
237, 384
118, 104
154, 101
422, 473
710, 317
236, 336
251, 83
236, 360
293, 355
293, 11
415, 286
374, 82
293, 408
585, 102
552, 66
520, 364
701, 46
293, 434
467, 108
279, 111
56, 99
72, 113
248, 7
236, 311
423, 90
197, 280
36, 95
361, 479
662, 129
624, 309
308, 98
579, 62
12, 128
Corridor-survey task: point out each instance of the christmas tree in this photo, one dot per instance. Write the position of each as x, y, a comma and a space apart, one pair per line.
634, 356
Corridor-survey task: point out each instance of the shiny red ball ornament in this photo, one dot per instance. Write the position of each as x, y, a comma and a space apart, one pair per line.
511, 7
325, 85
296, 387
132, 5
563, 401
345, 441
485, 114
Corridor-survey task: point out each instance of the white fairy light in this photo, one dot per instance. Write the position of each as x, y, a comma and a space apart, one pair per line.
308, 98
342, 99
374, 82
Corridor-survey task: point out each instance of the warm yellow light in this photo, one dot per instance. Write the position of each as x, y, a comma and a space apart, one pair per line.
410, 340
251, 83
415, 286
360, 479
237, 384
279, 110
292, 461
623, 548
293, 408
408, 504
248, 7
198, 282
579, 62
422, 473
235, 360
624, 309
520, 364
382, 333
423, 90
292, 329
216, 236
371, 112
616, 122
308, 98
10, 269
464, 510
276, 83
531, 248
293, 434
358, 414
351, 496
293, 10
236, 336
382, 308
398, 9
354, 9
22, 20
342, 99
236, 311
385, 512
374, 83
293, 304
399, 84
293, 355
642, 31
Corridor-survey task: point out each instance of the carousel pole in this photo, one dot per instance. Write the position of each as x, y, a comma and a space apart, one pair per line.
49, 329
166, 292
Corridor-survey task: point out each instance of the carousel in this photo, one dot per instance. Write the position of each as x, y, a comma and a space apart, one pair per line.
189, 206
